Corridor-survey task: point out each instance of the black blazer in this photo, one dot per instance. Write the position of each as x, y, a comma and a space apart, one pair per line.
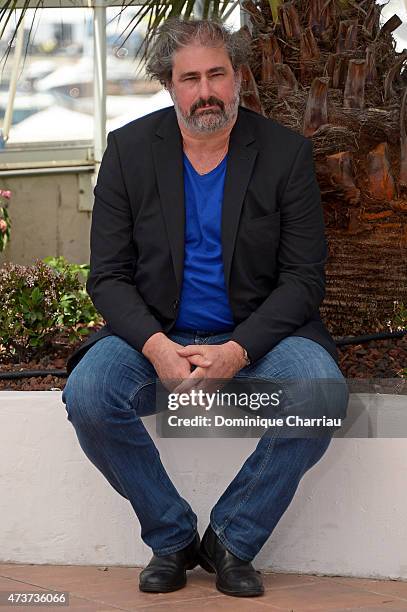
273, 234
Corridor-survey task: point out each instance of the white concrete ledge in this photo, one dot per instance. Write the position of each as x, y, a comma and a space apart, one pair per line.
348, 517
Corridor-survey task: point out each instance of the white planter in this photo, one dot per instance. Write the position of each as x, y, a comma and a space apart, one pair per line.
348, 517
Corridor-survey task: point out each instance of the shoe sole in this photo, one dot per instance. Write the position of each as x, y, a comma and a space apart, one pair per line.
207, 565
156, 589
161, 589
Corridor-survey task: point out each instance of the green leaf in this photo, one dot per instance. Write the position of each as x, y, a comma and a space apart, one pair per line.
36, 294
274, 4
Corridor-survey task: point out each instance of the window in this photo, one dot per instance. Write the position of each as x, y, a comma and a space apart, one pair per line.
55, 90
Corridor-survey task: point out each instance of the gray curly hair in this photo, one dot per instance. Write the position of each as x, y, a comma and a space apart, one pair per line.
176, 33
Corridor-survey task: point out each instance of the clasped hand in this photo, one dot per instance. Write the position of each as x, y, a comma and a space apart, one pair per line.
222, 361
183, 368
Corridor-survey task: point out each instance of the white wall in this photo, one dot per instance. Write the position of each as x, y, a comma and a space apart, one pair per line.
348, 516
55, 199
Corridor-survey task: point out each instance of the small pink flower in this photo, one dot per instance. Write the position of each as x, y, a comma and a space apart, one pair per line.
3, 226
5, 194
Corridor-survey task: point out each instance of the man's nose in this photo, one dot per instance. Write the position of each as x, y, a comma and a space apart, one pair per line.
204, 89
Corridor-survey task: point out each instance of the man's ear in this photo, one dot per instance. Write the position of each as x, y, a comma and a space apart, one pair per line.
170, 91
168, 87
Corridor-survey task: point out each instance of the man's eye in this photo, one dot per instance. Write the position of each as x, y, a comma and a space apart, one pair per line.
190, 79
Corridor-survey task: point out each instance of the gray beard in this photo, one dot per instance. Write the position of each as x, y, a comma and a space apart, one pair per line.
208, 121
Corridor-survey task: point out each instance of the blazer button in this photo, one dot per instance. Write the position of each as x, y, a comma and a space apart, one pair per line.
175, 304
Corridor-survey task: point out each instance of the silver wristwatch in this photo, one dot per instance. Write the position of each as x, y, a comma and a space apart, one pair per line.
246, 357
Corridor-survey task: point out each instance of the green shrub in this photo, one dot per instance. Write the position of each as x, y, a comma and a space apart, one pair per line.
60, 264
400, 317
76, 305
40, 301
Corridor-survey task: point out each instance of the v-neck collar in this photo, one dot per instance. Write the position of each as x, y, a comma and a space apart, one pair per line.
207, 174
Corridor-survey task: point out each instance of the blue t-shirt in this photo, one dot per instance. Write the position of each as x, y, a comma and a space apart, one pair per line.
204, 303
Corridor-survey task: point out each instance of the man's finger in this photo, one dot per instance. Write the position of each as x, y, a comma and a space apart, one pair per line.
190, 382
191, 349
199, 360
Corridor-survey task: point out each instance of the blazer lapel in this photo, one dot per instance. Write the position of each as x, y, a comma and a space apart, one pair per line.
168, 162
240, 165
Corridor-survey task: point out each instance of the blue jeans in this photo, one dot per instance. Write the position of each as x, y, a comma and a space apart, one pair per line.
114, 385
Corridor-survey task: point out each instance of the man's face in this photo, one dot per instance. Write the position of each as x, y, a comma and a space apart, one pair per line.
204, 88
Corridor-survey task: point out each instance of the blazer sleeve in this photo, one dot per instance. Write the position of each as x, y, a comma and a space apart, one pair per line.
301, 256
113, 256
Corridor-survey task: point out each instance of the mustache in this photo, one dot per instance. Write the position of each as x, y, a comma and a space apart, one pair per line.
212, 101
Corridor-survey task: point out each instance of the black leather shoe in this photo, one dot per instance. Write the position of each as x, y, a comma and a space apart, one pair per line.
233, 575
168, 572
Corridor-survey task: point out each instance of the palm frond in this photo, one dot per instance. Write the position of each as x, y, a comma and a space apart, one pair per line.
154, 11
274, 4
186, 8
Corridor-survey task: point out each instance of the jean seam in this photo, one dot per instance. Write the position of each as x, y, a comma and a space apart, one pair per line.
250, 486
187, 508
140, 388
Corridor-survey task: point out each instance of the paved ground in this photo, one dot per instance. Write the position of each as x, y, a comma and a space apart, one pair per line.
116, 588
